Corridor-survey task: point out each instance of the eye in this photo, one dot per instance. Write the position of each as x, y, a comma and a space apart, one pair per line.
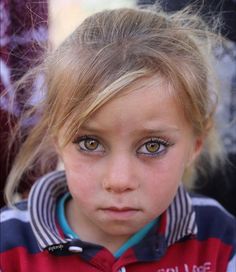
89, 144
154, 147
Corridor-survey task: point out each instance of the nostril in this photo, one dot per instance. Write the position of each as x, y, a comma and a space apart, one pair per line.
118, 189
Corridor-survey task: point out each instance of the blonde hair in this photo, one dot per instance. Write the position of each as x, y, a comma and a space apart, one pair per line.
106, 54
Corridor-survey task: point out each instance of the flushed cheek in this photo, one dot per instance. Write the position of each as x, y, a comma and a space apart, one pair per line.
81, 181
165, 173
160, 197
160, 187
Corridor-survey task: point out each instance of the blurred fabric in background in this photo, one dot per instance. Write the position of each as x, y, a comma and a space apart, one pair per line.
23, 31
65, 15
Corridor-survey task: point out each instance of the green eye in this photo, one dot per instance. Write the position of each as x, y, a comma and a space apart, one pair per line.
152, 147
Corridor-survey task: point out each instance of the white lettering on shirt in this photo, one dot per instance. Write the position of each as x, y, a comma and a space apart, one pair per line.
205, 267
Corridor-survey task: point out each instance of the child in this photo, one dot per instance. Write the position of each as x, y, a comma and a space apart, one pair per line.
129, 111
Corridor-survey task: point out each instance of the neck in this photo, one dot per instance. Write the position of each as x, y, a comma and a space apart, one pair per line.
89, 232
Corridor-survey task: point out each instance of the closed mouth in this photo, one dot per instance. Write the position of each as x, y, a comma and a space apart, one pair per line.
120, 209
120, 212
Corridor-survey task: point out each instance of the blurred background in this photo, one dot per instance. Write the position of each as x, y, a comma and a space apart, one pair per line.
65, 15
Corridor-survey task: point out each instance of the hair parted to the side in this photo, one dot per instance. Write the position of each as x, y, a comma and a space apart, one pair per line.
106, 54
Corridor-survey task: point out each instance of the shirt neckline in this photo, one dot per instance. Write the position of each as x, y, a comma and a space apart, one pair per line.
67, 230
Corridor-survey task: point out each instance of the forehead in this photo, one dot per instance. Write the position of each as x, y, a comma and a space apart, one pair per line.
150, 101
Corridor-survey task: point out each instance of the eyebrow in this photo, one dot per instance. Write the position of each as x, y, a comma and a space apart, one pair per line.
150, 130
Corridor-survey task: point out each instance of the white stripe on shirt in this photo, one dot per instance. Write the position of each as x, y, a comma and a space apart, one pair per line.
232, 265
202, 201
15, 214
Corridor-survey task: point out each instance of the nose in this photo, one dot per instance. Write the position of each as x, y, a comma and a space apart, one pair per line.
120, 175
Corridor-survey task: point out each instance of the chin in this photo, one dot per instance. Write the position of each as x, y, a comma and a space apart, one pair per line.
120, 229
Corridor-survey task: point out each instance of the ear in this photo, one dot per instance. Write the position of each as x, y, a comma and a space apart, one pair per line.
197, 148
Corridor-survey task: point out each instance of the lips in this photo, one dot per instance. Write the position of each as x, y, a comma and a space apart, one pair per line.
120, 209
120, 212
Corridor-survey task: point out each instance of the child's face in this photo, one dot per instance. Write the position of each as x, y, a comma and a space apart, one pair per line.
125, 165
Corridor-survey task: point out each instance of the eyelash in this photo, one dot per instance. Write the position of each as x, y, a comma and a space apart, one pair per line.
162, 144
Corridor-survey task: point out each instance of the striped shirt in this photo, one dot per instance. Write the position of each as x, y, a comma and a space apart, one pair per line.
194, 234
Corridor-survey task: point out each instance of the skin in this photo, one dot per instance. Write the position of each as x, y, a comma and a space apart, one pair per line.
125, 165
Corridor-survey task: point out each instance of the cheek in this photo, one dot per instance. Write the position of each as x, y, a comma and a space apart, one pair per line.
160, 195
80, 179
162, 182
167, 172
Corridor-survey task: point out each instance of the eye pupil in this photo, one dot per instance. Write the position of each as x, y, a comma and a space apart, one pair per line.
152, 147
91, 144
